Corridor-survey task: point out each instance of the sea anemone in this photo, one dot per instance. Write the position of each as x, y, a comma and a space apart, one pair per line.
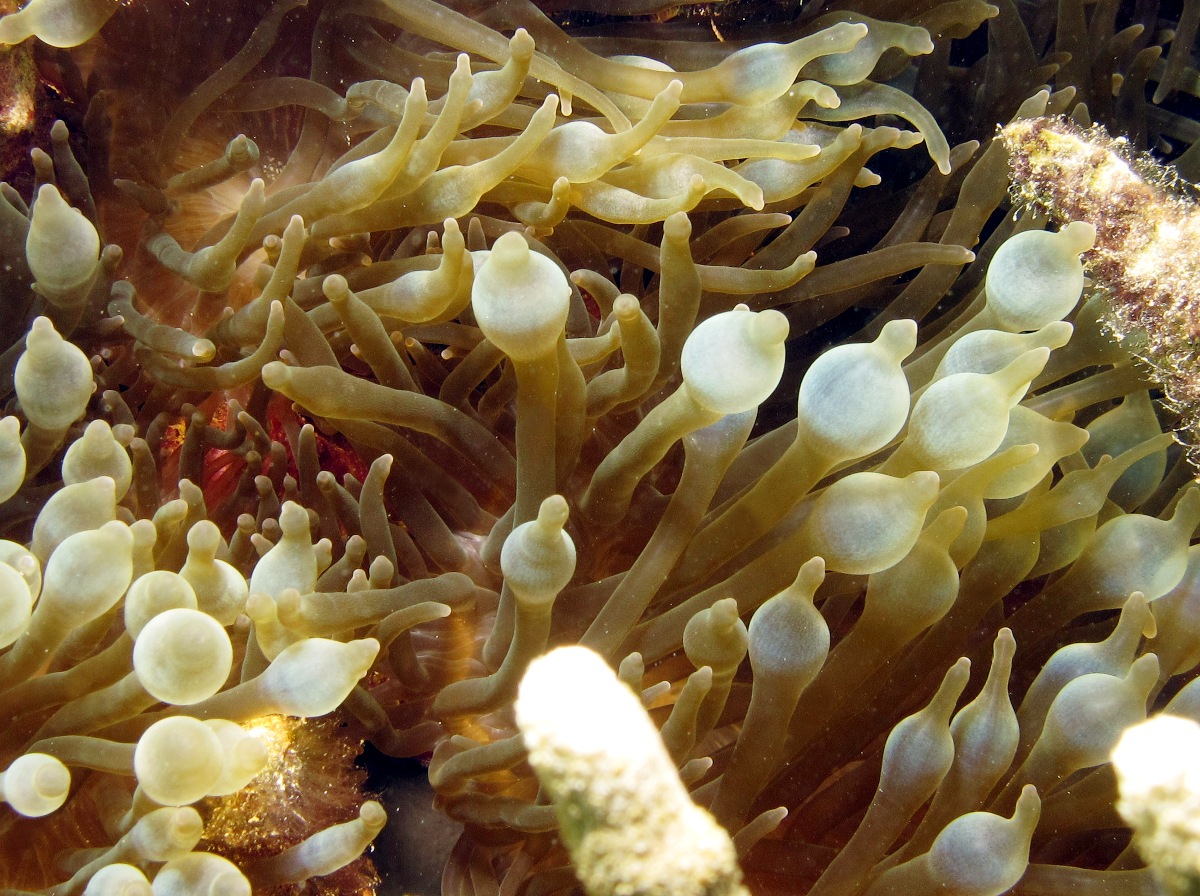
361, 353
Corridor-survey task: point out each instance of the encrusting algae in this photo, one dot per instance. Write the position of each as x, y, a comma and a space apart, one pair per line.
361, 358
1146, 224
